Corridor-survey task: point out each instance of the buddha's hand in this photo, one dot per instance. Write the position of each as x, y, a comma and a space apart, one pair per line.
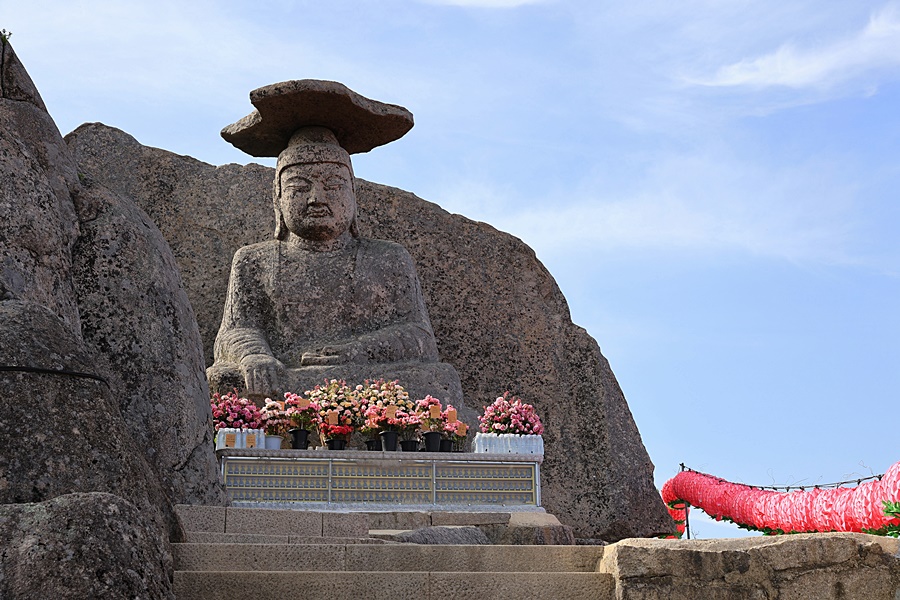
262, 373
335, 354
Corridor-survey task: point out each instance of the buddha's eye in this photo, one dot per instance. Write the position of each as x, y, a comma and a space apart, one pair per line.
298, 184
334, 183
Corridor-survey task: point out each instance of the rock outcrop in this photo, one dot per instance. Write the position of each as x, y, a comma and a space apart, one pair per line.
79, 546
498, 316
135, 313
804, 566
82, 513
62, 430
37, 182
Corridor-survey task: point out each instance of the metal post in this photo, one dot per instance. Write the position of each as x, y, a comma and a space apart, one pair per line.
433, 482
687, 524
330, 464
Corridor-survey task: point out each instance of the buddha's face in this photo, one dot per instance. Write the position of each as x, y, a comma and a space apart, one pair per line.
317, 201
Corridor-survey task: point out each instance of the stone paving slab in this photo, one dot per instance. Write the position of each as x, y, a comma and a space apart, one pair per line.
201, 518
199, 585
204, 537
387, 558
470, 518
277, 522
193, 585
345, 524
398, 520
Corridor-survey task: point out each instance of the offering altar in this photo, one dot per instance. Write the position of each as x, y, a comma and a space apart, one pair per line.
360, 480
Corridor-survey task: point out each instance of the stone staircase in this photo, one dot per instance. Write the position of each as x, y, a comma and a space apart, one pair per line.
237, 553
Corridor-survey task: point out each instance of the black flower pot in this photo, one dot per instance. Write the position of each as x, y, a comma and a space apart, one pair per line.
409, 445
299, 438
388, 441
336, 444
432, 441
374, 445
446, 446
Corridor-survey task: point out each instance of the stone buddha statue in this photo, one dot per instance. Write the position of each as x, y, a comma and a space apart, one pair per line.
320, 301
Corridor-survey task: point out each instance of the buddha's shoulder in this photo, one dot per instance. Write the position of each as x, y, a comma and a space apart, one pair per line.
255, 251
383, 249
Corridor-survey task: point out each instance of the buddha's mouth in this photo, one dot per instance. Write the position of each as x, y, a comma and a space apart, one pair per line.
318, 210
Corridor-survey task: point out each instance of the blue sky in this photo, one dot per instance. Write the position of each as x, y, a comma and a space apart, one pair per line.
712, 183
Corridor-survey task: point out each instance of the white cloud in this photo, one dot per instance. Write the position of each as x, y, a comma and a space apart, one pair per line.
876, 46
705, 204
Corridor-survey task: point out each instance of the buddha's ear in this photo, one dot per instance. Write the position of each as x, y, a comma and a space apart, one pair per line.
281, 230
354, 225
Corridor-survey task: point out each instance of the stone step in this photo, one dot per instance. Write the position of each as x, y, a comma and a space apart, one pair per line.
385, 558
416, 519
206, 537
422, 585
262, 521
518, 527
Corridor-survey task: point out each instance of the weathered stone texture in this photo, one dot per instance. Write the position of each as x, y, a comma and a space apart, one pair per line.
64, 433
136, 314
537, 535
36, 237
359, 123
15, 82
80, 546
846, 566
468, 536
83, 515
498, 316
191, 215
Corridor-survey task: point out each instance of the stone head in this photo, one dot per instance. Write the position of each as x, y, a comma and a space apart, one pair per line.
313, 192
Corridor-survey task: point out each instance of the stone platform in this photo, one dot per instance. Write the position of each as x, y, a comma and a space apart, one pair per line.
236, 553
371, 481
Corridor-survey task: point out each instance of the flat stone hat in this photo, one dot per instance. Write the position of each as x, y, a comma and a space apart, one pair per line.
358, 123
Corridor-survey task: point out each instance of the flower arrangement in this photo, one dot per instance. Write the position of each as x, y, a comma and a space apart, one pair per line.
301, 412
508, 414
432, 417
379, 392
388, 408
391, 418
870, 507
361, 406
338, 410
275, 418
232, 412
456, 431
335, 432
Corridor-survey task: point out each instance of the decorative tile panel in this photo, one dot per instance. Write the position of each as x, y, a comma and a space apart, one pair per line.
354, 477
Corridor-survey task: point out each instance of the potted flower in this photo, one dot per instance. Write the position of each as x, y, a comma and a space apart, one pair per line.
370, 433
302, 414
237, 421
409, 424
510, 425
338, 411
387, 411
276, 422
336, 436
431, 419
361, 421
456, 433
453, 431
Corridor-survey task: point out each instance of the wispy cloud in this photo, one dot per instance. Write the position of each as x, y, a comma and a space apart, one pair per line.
874, 47
705, 204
